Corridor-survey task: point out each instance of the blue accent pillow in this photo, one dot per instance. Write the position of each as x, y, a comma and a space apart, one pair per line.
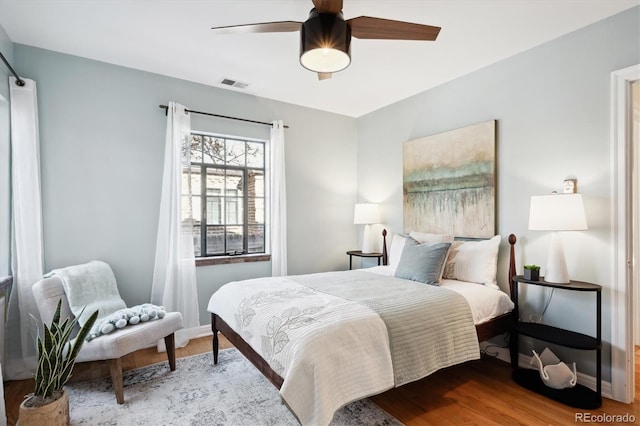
422, 262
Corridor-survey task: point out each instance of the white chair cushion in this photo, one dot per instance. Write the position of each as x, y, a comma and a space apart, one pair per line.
130, 339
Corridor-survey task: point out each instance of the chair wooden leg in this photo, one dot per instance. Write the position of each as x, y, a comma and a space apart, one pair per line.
115, 366
170, 343
214, 329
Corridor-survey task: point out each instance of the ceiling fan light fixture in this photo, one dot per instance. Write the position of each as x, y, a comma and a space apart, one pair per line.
325, 43
325, 60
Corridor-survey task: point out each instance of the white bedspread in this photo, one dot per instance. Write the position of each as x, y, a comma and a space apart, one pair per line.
337, 337
320, 365
485, 302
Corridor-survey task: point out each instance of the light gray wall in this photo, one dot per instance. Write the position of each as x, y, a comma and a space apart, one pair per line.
102, 142
552, 108
6, 47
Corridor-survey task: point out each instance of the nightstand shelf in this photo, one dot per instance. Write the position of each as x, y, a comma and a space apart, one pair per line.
578, 396
558, 336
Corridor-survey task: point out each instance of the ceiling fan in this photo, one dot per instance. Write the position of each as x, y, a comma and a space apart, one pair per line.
325, 37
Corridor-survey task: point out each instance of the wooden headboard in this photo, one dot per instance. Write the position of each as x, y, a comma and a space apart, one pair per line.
512, 258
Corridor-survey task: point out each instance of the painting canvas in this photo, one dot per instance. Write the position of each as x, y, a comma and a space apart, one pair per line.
449, 182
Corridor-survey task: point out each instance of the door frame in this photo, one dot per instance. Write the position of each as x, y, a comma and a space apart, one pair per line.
622, 339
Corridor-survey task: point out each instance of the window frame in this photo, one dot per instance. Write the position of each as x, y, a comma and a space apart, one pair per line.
205, 258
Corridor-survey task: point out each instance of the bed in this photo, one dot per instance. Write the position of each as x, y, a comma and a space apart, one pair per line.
328, 339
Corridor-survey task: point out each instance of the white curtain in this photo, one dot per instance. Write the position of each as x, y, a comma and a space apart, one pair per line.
174, 276
278, 202
27, 251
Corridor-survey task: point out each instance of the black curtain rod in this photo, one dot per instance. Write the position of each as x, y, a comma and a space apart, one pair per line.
19, 81
165, 107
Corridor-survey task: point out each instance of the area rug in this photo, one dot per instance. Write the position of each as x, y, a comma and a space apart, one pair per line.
197, 393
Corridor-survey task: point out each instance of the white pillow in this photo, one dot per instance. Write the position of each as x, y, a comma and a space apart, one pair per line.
395, 252
425, 238
474, 261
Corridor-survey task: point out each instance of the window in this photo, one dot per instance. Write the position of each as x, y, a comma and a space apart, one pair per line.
223, 194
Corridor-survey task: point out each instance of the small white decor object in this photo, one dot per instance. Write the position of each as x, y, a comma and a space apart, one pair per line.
553, 372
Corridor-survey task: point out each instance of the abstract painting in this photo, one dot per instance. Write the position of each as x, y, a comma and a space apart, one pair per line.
449, 182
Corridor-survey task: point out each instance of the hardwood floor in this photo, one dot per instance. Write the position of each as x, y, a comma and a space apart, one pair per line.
474, 393
482, 393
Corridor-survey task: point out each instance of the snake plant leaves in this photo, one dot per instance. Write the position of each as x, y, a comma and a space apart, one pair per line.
57, 354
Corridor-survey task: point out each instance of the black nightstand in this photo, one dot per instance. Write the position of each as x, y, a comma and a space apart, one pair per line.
578, 396
359, 253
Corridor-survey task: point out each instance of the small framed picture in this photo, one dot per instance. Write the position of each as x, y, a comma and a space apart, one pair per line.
570, 186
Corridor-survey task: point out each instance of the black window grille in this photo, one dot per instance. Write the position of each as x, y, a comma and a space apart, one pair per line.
223, 194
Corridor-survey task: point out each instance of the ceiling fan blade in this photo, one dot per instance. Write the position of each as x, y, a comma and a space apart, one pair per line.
324, 75
265, 27
328, 6
387, 29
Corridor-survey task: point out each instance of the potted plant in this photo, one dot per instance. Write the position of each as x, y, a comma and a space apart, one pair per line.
532, 272
49, 403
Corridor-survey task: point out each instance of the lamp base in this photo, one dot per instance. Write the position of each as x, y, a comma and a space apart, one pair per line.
367, 242
556, 264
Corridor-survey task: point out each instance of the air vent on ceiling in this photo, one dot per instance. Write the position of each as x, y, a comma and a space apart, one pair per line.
234, 83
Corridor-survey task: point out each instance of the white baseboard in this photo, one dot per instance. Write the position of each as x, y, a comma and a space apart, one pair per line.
203, 331
193, 333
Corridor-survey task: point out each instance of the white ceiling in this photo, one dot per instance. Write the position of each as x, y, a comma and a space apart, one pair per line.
173, 38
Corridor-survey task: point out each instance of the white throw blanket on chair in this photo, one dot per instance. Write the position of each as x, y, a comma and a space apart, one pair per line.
90, 286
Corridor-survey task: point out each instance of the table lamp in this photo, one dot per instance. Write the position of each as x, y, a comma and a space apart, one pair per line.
557, 212
366, 214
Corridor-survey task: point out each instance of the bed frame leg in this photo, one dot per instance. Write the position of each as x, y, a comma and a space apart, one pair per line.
215, 338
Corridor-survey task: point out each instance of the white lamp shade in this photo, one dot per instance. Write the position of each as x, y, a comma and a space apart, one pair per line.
365, 214
557, 212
